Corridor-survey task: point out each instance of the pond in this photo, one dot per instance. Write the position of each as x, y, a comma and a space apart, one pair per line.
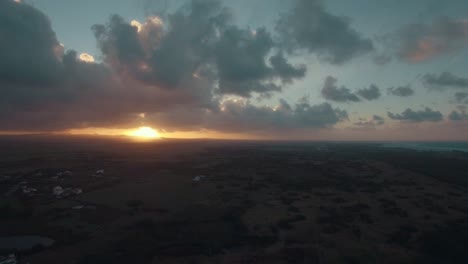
24, 243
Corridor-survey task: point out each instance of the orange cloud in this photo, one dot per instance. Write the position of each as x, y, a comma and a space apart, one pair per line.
421, 42
425, 50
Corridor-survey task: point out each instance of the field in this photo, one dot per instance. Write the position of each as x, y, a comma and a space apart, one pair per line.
206, 201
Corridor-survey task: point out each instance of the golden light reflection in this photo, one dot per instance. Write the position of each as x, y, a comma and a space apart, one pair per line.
85, 57
137, 24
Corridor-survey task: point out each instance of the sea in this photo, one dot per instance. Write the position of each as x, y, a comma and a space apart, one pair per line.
429, 146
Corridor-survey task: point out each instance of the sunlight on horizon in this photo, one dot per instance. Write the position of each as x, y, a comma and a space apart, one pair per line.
139, 133
145, 133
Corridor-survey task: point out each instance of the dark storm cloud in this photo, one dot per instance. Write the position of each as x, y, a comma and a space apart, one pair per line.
371, 93
426, 115
444, 81
458, 115
309, 26
401, 91
332, 92
419, 42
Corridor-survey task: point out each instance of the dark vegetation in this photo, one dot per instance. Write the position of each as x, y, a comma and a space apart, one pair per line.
260, 202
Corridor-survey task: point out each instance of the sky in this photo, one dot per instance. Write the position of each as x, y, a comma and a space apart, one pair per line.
260, 69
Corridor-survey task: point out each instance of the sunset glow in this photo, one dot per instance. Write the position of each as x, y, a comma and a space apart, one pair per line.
217, 131
192, 71
145, 133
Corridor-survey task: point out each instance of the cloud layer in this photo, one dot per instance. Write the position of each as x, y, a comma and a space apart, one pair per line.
194, 68
310, 27
419, 42
177, 70
372, 122
401, 91
332, 92
242, 116
445, 80
461, 98
371, 93
409, 115
458, 115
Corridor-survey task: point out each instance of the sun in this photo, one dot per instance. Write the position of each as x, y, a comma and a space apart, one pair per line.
145, 133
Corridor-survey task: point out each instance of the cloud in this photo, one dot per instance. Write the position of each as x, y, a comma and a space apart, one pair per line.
168, 53
461, 98
409, 115
310, 27
46, 88
85, 57
286, 71
374, 121
177, 70
332, 92
420, 42
31, 67
458, 115
378, 120
119, 41
382, 59
371, 93
241, 63
242, 116
137, 24
401, 91
197, 41
28, 47
444, 81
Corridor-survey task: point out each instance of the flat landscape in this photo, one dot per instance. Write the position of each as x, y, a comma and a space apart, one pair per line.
95, 200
